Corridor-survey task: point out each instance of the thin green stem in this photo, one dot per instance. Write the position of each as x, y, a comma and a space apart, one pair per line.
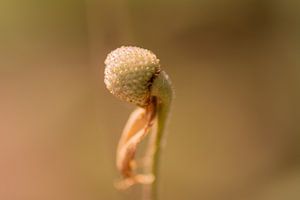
162, 90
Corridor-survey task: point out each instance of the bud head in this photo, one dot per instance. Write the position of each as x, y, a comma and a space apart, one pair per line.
129, 73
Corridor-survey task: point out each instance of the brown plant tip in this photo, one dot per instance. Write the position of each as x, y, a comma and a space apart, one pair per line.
129, 73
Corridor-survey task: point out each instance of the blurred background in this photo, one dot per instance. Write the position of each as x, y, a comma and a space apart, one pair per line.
234, 128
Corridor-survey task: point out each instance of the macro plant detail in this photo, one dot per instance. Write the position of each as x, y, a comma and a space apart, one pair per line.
134, 75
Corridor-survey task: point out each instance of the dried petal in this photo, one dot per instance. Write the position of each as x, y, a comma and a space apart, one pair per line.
136, 129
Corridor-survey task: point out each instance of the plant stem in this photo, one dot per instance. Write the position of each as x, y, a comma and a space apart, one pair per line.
162, 90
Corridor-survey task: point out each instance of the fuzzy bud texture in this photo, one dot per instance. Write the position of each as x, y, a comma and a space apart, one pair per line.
129, 73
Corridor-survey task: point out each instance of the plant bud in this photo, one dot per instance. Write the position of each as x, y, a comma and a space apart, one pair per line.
129, 73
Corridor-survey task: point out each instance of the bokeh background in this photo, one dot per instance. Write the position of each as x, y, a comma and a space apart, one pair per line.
234, 128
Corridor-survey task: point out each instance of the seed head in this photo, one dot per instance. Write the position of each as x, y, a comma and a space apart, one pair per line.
129, 73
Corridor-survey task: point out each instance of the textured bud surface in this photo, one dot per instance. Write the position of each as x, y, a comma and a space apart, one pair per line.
129, 73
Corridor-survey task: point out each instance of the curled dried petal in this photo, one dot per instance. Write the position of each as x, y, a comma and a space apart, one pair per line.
136, 129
